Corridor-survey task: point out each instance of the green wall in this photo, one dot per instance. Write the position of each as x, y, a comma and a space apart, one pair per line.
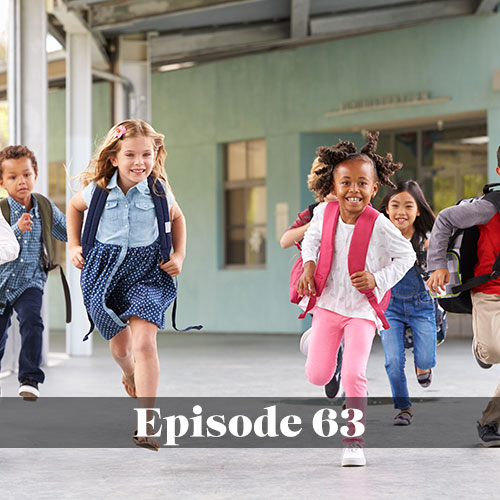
284, 96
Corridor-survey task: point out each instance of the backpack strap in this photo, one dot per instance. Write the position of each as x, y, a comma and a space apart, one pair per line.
325, 259
162, 216
5, 207
494, 198
165, 232
93, 217
358, 250
48, 256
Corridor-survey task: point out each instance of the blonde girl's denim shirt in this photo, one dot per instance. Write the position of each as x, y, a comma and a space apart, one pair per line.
128, 220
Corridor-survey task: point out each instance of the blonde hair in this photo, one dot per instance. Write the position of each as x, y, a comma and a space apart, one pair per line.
100, 169
313, 177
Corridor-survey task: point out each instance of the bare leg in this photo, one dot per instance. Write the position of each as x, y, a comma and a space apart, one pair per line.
147, 368
121, 350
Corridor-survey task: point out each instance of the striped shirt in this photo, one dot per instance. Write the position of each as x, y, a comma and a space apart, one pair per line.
27, 270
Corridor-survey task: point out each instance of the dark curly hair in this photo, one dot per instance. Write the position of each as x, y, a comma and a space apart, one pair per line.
332, 156
16, 153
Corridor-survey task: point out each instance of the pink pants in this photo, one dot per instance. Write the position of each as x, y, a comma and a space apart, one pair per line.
328, 328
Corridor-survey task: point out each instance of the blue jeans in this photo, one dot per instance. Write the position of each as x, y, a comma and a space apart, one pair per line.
417, 312
28, 308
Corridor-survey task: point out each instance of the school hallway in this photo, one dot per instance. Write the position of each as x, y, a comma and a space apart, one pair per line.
200, 364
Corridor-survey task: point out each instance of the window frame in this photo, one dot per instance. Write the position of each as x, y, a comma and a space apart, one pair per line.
246, 185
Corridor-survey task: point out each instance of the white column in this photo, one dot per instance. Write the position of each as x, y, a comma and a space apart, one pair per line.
78, 154
134, 64
27, 97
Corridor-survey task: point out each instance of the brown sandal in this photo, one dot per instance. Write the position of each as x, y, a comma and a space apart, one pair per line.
129, 384
148, 443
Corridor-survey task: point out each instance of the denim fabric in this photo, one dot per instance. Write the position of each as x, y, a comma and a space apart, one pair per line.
27, 270
410, 305
28, 308
128, 220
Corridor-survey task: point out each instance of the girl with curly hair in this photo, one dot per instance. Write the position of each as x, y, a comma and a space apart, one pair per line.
341, 311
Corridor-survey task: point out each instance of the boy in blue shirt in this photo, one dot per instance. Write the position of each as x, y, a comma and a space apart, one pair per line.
22, 281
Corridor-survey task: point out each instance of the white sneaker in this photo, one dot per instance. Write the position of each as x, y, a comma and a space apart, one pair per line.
353, 456
303, 347
29, 392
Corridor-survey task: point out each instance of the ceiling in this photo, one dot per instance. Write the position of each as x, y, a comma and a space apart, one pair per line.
205, 30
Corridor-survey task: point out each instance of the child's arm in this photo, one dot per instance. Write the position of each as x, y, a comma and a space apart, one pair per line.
450, 219
290, 236
74, 220
310, 249
9, 247
174, 265
59, 224
395, 246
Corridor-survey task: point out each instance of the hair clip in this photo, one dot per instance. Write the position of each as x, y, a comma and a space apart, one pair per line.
120, 132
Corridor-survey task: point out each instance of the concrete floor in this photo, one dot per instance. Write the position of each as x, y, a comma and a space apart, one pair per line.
247, 365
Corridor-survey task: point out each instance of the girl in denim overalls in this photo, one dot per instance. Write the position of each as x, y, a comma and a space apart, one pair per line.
410, 305
126, 286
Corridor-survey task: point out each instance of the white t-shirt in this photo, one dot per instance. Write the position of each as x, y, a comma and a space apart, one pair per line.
389, 257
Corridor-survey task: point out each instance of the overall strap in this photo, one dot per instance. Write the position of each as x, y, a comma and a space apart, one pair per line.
358, 250
5, 207
162, 216
325, 259
93, 217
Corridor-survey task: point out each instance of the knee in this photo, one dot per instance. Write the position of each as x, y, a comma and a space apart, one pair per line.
144, 348
120, 351
488, 353
352, 381
319, 376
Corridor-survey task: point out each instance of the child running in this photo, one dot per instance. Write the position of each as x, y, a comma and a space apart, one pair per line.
341, 311
294, 235
410, 305
126, 285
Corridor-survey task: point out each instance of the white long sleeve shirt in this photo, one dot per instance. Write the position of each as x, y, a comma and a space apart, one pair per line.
389, 258
9, 246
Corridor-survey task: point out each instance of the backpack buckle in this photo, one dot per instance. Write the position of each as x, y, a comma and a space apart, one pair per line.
494, 275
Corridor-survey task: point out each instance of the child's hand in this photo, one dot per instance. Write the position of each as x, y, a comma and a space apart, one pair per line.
438, 280
172, 266
363, 280
25, 223
75, 256
305, 285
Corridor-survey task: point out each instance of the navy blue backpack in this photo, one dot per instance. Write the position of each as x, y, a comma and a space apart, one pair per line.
163, 218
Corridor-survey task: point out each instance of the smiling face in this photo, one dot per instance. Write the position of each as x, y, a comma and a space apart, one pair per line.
402, 210
354, 184
18, 179
135, 160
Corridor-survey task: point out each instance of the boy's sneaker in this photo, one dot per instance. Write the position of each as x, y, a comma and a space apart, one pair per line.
489, 434
353, 456
28, 390
482, 364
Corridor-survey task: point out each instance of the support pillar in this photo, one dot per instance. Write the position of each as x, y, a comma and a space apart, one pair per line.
27, 100
78, 154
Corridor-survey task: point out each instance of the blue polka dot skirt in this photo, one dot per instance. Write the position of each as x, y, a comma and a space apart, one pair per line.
119, 282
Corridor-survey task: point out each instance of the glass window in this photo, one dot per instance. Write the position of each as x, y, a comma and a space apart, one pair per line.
245, 209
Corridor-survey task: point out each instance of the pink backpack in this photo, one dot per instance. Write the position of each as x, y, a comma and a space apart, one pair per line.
356, 259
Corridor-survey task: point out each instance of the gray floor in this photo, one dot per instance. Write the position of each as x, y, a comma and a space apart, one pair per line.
247, 365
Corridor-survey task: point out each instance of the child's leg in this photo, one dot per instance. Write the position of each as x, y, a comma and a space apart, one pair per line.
145, 353
28, 308
358, 339
4, 327
422, 322
486, 326
323, 346
394, 352
120, 347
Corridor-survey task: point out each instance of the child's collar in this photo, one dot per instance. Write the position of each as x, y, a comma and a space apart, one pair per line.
141, 186
15, 206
